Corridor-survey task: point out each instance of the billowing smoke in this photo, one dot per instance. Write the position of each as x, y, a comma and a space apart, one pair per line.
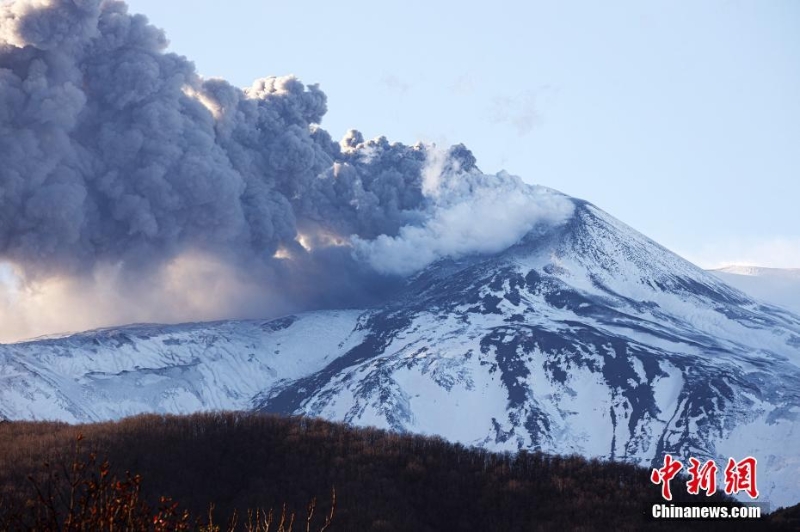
132, 189
472, 213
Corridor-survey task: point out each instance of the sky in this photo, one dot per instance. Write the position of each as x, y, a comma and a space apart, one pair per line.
682, 119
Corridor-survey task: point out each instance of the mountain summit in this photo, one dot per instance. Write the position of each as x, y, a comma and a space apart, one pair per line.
584, 337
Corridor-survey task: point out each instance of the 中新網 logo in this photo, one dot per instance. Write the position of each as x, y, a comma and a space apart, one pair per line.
738, 476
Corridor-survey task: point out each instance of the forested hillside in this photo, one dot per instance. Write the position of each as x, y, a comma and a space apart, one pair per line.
382, 481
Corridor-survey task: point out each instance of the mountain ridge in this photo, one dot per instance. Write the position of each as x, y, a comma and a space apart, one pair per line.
778, 286
585, 337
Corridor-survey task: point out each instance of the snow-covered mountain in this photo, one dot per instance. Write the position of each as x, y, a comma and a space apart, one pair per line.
584, 337
778, 286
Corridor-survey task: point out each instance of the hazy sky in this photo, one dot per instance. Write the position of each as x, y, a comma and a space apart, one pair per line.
680, 118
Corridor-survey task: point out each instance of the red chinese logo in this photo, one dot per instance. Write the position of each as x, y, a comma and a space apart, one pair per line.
665, 474
702, 477
739, 476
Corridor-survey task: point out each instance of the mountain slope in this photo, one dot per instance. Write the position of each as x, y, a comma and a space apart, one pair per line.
116, 372
589, 339
778, 286
585, 337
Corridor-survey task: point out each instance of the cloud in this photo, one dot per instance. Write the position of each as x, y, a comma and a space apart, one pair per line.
464, 84
189, 288
773, 252
133, 189
519, 111
394, 83
476, 213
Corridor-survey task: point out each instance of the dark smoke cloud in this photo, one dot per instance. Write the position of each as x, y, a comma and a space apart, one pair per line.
116, 154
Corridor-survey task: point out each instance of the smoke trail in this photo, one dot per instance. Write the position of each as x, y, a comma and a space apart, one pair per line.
118, 164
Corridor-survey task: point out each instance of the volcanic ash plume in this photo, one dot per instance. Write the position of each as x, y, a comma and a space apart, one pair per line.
133, 189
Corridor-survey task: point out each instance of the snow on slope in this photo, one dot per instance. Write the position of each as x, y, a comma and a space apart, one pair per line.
117, 372
589, 338
585, 337
777, 286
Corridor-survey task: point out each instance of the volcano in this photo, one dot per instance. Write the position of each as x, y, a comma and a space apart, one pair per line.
584, 337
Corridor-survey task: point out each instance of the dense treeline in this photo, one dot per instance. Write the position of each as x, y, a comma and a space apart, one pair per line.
383, 481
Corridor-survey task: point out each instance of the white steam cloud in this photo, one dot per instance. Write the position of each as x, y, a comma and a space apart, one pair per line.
475, 213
